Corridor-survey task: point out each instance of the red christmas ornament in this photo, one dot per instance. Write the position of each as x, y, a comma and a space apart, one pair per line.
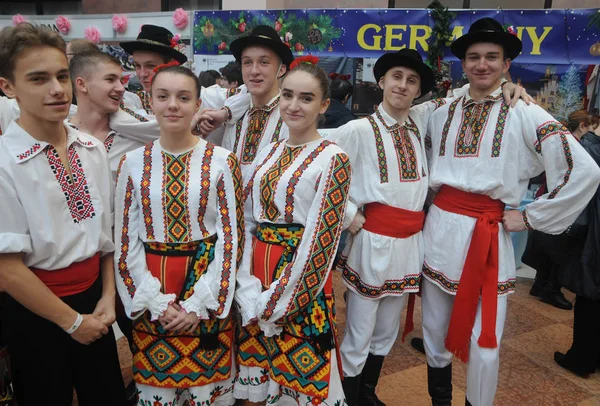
278, 26
242, 27
299, 47
222, 46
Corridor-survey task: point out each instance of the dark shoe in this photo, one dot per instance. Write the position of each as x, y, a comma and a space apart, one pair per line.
370, 377
467, 403
417, 344
555, 298
561, 360
537, 287
131, 393
351, 385
439, 384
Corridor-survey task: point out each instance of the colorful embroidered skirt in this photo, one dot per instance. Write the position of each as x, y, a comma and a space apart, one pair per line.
175, 359
300, 357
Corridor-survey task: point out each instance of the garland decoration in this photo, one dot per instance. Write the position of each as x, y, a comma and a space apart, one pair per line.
438, 40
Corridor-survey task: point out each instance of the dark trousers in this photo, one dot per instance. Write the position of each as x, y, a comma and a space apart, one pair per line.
46, 363
584, 354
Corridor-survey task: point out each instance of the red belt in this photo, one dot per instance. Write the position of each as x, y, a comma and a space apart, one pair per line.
480, 272
397, 223
392, 221
76, 278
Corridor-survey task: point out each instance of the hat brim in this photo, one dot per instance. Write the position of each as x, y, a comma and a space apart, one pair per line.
511, 43
389, 61
132, 46
282, 50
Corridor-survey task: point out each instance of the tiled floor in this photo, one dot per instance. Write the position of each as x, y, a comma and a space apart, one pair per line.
528, 374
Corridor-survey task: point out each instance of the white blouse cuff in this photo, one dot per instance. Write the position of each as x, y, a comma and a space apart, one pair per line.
12, 243
148, 297
201, 301
269, 329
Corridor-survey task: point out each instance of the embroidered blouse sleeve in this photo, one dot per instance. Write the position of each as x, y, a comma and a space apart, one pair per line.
305, 276
134, 126
347, 138
215, 289
236, 107
138, 289
248, 286
14, 231
571, 174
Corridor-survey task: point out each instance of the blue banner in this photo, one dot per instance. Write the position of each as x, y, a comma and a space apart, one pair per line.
549, 36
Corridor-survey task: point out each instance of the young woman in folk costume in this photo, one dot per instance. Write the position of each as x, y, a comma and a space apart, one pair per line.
295, 205
179, 233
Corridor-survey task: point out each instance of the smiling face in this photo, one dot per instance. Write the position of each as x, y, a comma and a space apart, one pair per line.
261, 67
103, 87
145, 62
301, 101
484, 65
400, 85
174, 101
41, 84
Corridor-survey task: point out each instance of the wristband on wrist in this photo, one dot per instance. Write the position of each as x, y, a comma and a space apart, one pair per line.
76, 324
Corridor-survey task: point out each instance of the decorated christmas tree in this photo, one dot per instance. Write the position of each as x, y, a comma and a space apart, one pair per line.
569, 96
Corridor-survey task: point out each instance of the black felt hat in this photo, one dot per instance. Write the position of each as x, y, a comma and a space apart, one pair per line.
409, 58
265, 36
153, 38
487, 30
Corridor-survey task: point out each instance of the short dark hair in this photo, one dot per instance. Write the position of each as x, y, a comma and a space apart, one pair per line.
81, 63
178, 70
15, 40
340, 88
232, 72
83, 46
209, 78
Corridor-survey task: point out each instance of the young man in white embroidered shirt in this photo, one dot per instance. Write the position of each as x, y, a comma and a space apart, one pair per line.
481, 157
56, 261
264, 59
97, 84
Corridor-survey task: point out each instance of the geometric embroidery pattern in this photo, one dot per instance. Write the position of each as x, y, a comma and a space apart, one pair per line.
145, 192
405, 152
34, 148
74, 187
410, 283
146, 100
108, 142
132, 113
205, 186
289, 199
123, 270
175, 197
548, 129
472, 127
250, 185
277, 132
446, 128
323, 243
258, 117
270, 180
227, 244
238, 187
499, 130
451, 286
383, 170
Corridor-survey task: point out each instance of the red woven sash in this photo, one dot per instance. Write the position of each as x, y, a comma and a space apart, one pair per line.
74, 279
392, 221
480, 272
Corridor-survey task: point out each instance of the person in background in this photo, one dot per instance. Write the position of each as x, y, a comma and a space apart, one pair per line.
538, 253
231, 75
209, 78
583, 242
80, 46
338, 114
